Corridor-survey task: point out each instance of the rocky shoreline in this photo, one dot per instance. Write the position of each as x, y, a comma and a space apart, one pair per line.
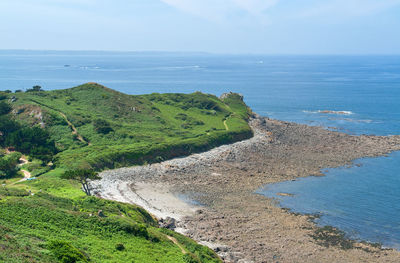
228, 216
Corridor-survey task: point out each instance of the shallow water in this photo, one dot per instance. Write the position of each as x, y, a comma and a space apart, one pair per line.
364, 201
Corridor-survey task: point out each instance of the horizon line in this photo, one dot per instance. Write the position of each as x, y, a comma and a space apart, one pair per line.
201, 52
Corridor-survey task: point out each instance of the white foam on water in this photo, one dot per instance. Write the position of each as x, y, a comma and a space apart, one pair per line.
330, 112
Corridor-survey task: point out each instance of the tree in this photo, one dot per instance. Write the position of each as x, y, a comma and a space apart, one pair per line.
34, 88
33, 141
83, 176
8, 165
7, 126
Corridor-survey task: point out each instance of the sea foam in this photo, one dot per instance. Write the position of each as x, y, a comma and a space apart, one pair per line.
330, 112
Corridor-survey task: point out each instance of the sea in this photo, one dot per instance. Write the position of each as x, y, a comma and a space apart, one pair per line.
361, 94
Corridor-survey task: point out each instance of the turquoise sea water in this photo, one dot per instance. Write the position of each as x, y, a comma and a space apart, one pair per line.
363, 201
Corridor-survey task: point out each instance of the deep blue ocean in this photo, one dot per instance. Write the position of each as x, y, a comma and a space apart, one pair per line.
363, 201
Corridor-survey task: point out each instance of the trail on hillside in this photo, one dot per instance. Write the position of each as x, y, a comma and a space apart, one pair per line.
70, 124
26, 173
226, 125
74, 129
176, 243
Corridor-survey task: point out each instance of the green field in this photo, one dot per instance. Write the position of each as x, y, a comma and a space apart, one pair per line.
50, 219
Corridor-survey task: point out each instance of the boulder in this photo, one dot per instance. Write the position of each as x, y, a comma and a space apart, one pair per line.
168, 222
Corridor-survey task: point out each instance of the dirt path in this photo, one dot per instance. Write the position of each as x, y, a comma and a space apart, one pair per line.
26, 173
177, 243
226, 125
74, 129
23, 160
70, 124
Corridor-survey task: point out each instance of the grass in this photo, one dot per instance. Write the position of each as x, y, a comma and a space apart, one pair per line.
31, 224
52, 220
145, 128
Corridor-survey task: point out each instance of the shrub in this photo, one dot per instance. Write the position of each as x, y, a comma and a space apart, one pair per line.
3, 95
181, 116
138, 230
65, 252
155, 109
102, 126
119, 247
4, 108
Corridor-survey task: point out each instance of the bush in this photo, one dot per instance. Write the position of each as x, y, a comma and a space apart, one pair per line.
3, 95
181, 116
102, 126
65, 252
119, 247
4, 108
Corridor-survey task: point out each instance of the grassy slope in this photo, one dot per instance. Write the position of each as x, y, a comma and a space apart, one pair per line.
28, 223
147, 128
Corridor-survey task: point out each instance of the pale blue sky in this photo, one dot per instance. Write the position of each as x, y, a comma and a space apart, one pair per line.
219, 26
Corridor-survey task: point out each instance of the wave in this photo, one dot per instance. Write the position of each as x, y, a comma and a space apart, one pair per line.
179, 67
88, 67
330, 112
351, 120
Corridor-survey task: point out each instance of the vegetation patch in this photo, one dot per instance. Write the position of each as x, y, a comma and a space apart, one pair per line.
65, 252
48, 228
8, 164
329, 236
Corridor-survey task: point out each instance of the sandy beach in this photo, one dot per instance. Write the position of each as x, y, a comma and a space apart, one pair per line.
228, 216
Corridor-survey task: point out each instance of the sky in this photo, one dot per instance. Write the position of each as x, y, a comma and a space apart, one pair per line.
216, 26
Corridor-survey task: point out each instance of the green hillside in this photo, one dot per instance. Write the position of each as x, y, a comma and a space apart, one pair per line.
99, 127
47, 228
50, 219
